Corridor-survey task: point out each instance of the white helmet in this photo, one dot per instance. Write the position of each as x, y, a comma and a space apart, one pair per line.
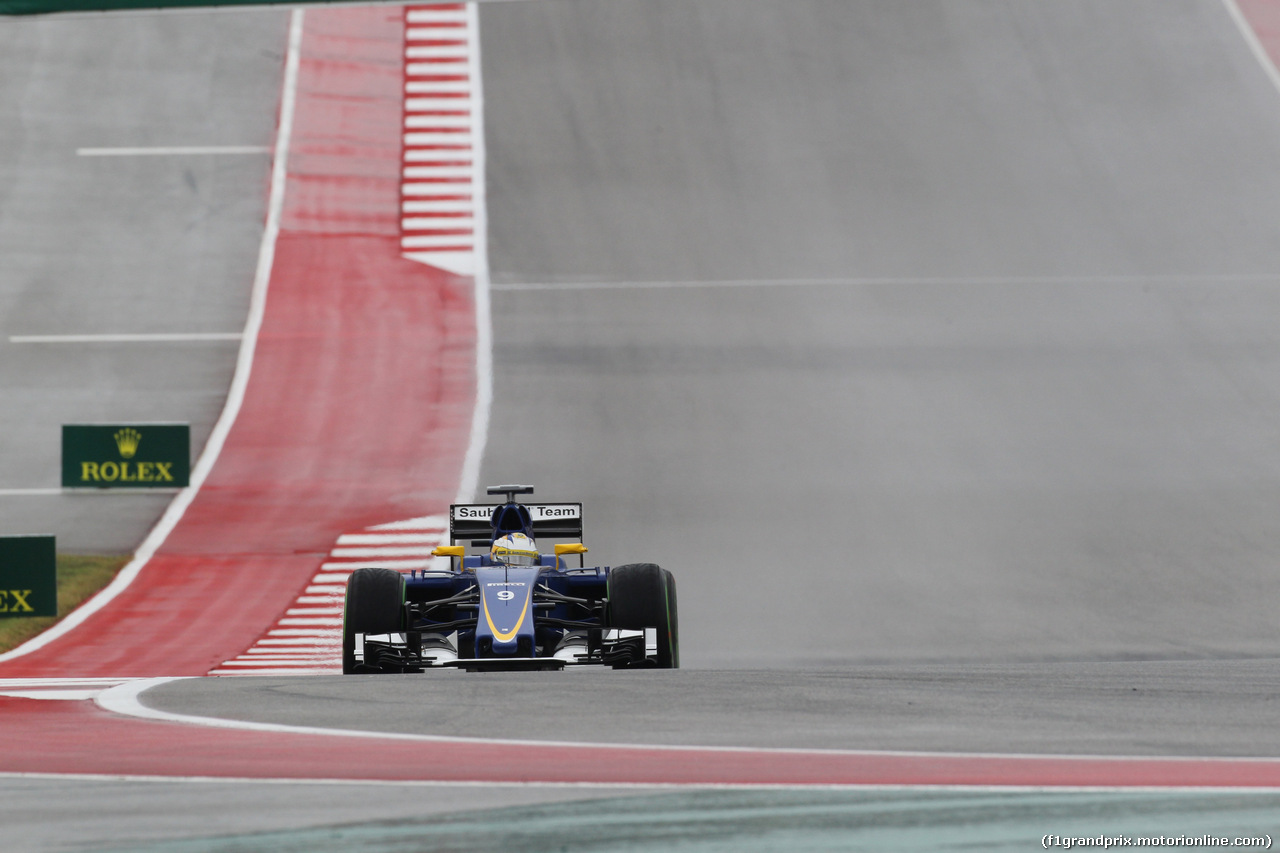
514, 549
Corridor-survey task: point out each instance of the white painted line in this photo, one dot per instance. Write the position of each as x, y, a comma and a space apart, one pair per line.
437, 207
484, 324
434, 16
297, 642
435, 224
290, 672
466, 173
436, 122
382, 551
435, 34
1255, 45
372, 564
387, 538
314, 611
124, 700
458, 137
158, 337
1159, 278
269, 663
63, 682
252, 664
426, 522
461, 242
173, 150
437, 51
460, 260
431, 87
240, 781
437, 158
63, 695
422, 105
239, 381
63, 689
443, 65
58, 689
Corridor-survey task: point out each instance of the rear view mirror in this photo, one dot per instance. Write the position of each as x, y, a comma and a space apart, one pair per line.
568, 548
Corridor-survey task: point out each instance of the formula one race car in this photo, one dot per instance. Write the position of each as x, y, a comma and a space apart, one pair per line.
510, 607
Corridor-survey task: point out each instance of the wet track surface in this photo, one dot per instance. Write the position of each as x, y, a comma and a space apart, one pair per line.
932, 346
1199, 708
981, 366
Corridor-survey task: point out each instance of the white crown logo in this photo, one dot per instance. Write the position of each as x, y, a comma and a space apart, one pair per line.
127, 440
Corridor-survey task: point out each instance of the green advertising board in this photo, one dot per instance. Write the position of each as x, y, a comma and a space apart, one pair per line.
126, 456
28, 576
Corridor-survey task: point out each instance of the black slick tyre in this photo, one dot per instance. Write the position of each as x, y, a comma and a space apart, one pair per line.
643, 595
374, 605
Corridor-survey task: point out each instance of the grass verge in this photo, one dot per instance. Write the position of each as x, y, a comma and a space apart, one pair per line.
79, 576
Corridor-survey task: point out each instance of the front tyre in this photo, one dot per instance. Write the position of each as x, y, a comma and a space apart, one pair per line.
673, 615
374, 605
643, 595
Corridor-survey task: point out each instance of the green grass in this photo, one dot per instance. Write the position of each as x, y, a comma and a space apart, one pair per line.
79, 576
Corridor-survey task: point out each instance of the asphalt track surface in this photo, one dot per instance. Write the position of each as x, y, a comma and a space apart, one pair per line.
989, 374
986, 372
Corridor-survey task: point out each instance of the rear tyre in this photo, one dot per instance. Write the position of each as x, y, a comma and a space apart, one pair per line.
374, 605
643, 595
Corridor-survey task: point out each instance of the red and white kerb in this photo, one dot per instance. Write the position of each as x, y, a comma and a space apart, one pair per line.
443, 138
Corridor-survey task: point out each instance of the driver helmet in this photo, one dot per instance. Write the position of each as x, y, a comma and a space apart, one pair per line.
514, 549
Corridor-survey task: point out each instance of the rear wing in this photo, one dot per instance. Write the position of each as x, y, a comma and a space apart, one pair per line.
473, 523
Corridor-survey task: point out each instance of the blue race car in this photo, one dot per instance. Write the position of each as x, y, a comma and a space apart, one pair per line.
511, 606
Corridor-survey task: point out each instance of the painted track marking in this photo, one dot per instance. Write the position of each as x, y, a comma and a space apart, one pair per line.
442, 172
174, 151
157, 337
1155, 278
1250, 33
220, 747
307, 638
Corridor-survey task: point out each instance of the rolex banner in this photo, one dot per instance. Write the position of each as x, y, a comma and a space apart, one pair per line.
124, 456
28, 576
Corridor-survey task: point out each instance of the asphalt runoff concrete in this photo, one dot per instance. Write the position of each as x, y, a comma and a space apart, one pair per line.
934, 354
145, 244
